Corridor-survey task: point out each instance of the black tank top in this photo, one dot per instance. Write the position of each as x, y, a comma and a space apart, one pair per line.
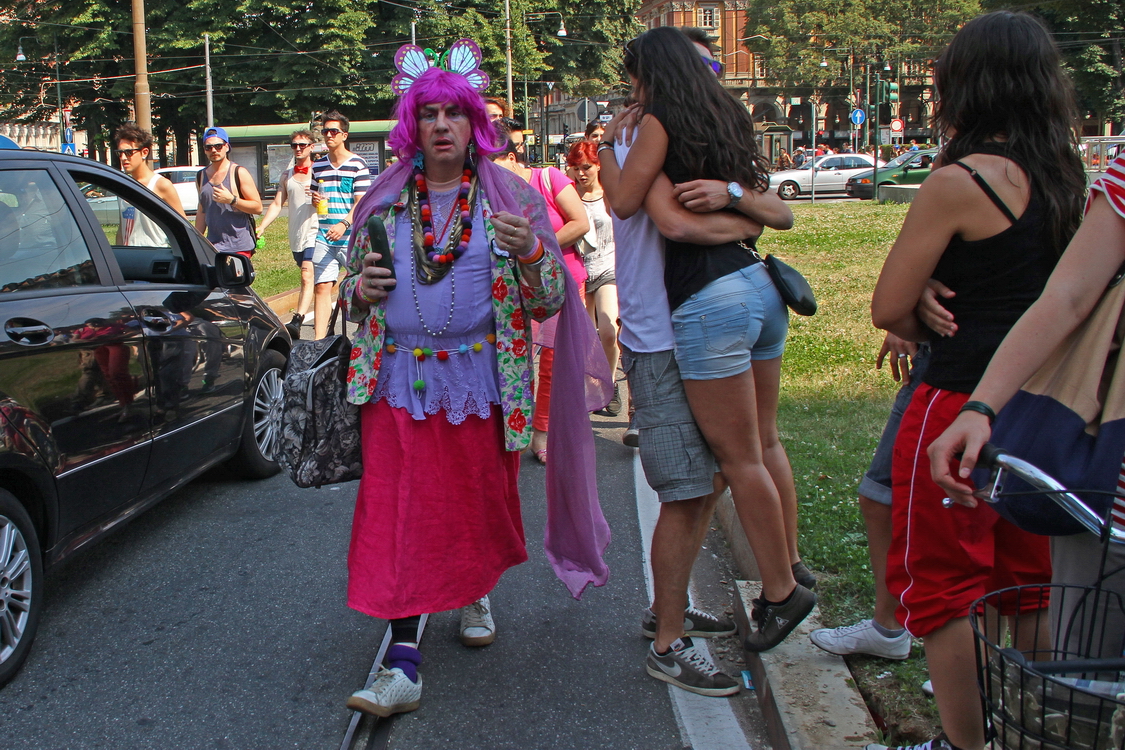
689, 267
996, 279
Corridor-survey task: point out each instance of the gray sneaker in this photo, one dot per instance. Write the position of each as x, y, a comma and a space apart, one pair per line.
392, 692
861, 638
772, 622
686, 667
696, 622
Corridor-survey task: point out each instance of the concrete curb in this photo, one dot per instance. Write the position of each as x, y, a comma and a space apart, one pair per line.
807, 696
284, 302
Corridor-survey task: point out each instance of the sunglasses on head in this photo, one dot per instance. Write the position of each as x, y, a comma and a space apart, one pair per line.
126, 152
213, 146
329, 132
296, 146
630, 54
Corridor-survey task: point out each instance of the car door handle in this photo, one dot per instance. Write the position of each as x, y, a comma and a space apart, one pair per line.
156, 320
29, 332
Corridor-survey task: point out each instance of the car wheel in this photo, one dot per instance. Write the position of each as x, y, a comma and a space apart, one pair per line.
21, 585
262, 424
788, 190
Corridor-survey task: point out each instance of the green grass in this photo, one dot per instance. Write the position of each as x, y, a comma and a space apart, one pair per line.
274, 269
833, 408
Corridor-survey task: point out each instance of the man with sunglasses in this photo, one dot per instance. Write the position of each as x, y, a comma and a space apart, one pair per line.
228, 198
294, 190
340, 178
134, 149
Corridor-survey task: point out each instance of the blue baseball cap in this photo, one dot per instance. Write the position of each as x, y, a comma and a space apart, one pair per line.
216, 133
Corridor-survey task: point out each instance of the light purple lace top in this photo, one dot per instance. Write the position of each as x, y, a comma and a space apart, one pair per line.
467, 382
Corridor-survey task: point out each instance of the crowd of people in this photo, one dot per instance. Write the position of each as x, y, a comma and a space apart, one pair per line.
524, 290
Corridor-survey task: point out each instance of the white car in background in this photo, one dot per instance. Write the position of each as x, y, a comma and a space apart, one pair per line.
832, 173
183, 178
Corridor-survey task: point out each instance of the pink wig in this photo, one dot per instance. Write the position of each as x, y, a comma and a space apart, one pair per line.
437, 86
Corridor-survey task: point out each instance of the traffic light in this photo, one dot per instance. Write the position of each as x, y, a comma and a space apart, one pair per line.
890, 92
566, 130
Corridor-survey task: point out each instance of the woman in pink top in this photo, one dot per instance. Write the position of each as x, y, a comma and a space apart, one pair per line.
568, 218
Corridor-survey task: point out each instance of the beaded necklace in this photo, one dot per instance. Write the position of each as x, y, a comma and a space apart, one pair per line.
432, 264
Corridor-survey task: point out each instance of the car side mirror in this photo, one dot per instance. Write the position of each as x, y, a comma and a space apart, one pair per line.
232, 271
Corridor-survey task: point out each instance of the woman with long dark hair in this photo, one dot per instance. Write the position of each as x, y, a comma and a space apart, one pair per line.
990, 225
728, 319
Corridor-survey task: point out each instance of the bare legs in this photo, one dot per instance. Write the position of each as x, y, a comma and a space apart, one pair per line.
738, 417
877, 519
602, 306
676, 540
953, 671
322, 301
305, 298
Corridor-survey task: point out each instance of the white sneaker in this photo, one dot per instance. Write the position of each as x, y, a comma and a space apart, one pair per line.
928, 689
861, 638
477, 627
392, 692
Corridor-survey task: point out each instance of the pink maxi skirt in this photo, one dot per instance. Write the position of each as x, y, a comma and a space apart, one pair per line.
437, 520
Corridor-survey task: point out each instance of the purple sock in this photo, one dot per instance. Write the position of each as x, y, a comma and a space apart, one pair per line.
405, 658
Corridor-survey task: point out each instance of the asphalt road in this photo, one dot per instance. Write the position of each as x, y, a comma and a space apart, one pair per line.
218, 620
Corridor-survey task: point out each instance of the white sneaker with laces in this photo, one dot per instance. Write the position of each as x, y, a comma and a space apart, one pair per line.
392, 692
477, 626
861, 638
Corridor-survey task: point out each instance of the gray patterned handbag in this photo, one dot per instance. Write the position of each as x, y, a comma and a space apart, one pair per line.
319, 429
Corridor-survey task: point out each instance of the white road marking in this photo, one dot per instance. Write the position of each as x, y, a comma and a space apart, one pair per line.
705, 723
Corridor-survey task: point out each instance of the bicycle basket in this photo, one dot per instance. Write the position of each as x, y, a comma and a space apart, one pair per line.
1059, 682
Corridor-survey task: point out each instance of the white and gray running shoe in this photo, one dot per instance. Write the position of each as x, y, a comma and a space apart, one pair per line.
392, 692
687, 667
477, 626
696, 622
861, 638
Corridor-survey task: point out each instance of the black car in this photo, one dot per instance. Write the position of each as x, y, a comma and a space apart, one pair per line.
133, 358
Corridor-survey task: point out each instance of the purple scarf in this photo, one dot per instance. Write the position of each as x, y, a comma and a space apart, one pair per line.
576, 534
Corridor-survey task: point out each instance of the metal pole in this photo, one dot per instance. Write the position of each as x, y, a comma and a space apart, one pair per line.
875, 173
414, 29
207, 73
58, 92
508, 50
812, 140
142, 99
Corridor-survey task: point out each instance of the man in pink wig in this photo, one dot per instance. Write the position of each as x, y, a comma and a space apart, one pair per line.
442, 369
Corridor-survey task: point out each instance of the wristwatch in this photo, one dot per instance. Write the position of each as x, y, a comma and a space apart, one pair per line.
734, 190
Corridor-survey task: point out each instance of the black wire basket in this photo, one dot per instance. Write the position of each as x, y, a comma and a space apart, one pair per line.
1057, 681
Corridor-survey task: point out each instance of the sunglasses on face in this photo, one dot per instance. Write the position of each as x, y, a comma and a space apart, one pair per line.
213, 146
715, 65
126, 153
329, 132
296, 146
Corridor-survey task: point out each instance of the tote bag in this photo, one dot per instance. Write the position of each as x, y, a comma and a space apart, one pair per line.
1069, 420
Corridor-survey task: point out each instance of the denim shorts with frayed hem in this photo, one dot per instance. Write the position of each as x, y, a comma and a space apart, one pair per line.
733, 320
677, 462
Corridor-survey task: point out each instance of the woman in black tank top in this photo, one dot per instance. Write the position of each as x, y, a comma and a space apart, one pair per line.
989, 225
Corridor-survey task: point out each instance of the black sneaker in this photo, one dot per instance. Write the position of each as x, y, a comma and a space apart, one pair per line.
803, 575
632, 436
613, 408
773, 622
696, 622
685, 666
294, 325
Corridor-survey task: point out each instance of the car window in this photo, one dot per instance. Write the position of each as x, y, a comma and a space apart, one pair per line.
146, 247
855, 162
41, 246
180, 176
831, 164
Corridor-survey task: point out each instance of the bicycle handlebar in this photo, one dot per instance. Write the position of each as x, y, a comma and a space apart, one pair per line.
995, 458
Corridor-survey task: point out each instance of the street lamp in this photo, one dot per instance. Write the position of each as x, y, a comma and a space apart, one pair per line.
21, 57
508, 39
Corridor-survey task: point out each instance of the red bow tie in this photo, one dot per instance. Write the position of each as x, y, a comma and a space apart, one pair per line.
300, 170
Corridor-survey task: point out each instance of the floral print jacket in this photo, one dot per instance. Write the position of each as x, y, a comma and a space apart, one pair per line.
514, 304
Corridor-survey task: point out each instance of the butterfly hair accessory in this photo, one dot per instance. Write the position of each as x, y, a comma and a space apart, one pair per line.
463, 57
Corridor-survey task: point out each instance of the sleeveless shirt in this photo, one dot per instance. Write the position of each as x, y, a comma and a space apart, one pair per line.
229, 229
996, 279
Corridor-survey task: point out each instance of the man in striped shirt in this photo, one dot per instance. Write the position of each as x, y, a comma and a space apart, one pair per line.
340, 178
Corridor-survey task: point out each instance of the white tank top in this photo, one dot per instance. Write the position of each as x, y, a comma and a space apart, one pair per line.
137, 230
302, 214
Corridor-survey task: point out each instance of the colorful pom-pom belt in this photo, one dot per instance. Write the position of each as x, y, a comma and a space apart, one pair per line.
421, 354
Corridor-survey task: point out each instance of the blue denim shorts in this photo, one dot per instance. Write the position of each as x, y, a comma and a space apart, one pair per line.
876, 483
731, 321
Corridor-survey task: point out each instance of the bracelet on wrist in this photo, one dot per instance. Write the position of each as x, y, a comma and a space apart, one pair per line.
980, 408
604, 146
534, 257
345, 222
362, 296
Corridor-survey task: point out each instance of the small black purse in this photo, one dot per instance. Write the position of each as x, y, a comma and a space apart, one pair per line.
791, 285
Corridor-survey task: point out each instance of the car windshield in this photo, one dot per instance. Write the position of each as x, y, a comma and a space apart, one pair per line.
902, 159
